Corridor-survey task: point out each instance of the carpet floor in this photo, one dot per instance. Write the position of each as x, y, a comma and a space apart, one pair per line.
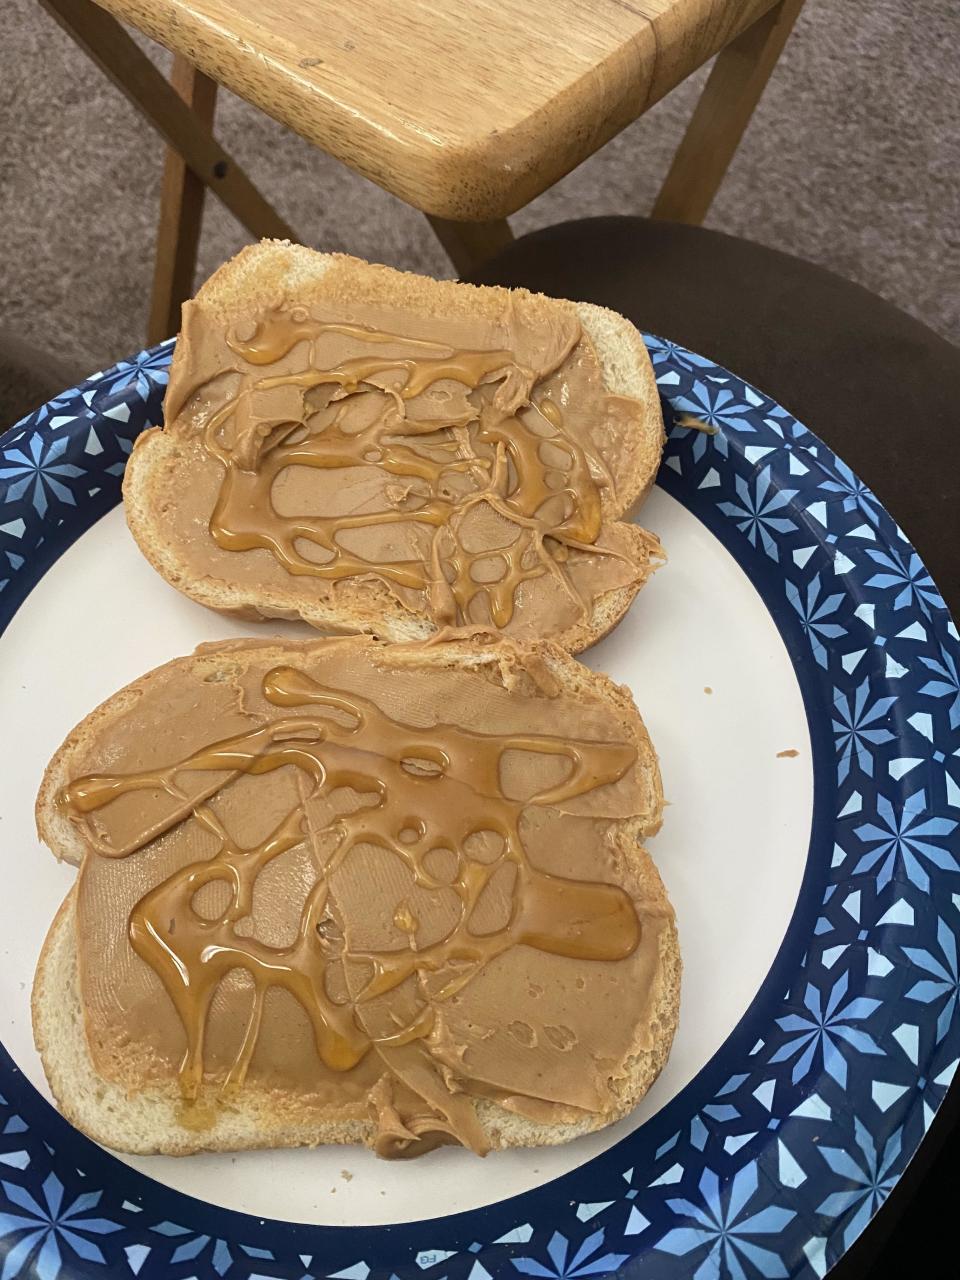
852, 161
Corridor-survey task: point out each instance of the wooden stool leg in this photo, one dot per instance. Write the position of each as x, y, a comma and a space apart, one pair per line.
468, 244
733, 89
122, 59
181, 211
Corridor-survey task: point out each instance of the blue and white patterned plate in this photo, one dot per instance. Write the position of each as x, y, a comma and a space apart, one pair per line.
770, 1147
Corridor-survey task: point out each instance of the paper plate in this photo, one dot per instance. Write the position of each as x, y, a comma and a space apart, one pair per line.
798, 672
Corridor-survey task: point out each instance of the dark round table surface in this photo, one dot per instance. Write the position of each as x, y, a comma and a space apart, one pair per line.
883, 391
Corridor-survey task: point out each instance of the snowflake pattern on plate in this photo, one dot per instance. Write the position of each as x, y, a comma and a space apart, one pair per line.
774, 1158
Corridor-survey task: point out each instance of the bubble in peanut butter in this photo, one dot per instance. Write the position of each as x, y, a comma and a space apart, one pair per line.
523, 1033
484, 846
561, 1037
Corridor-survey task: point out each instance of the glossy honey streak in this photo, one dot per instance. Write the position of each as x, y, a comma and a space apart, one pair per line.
540, 480
431, 788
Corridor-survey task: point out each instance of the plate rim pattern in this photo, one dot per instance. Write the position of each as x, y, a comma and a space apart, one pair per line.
775, 1157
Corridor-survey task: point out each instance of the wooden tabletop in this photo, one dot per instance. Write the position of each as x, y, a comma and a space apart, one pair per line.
466, 109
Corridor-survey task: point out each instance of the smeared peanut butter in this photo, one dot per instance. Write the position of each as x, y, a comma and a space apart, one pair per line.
466, 465
380, 888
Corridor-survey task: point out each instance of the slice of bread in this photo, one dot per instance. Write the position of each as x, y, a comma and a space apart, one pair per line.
120, 1095
168, 468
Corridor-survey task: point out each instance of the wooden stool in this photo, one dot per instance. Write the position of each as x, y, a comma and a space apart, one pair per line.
466, 109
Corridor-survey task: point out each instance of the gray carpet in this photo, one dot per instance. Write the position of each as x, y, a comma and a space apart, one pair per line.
851, 161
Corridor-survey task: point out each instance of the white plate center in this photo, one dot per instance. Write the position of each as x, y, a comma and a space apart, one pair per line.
716, 688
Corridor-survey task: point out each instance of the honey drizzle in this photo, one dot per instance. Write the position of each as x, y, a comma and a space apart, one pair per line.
439, 786
554, 508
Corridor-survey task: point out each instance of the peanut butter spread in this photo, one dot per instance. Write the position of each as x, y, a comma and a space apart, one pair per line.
467, 463
391, 891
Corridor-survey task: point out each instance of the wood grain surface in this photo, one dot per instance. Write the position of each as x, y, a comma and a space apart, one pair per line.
181, 211
736, 82
466, 109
